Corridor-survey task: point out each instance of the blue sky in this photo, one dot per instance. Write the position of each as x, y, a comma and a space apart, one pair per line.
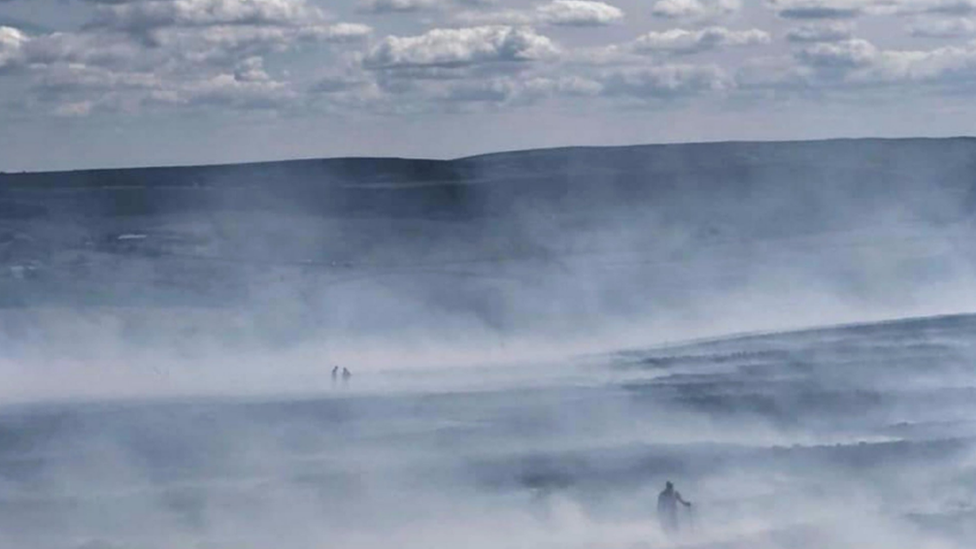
104, 83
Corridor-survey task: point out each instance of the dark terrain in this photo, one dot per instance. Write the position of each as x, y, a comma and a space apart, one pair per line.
527, 333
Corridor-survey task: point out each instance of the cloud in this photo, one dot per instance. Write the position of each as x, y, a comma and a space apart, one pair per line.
840, 55
80, 90
520, 91
950, 66
858, 64
695, 9
825, 32
498, 17
182, 53
248, 40
819, 9
398, 6
949, 8
145, 16
665, 81
199, 28
579, 13
11, 46
683, 42
943, 28
565, 13
461, 47
338, 83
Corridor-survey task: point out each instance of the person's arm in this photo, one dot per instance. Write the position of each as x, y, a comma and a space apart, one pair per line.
677, 495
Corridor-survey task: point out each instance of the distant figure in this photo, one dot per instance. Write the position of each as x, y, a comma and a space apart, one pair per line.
346, 374
667, 508
335, 374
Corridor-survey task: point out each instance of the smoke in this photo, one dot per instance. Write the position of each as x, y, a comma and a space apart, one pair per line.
538, 341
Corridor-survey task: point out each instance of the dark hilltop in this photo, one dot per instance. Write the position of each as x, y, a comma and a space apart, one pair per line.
668, 219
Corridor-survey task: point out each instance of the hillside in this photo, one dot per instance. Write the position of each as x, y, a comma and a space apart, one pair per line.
554, 233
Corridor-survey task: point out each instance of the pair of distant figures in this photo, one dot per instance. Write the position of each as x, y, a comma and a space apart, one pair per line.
346, 374
667, 509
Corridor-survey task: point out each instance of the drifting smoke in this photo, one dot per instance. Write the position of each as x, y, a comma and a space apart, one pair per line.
486, 307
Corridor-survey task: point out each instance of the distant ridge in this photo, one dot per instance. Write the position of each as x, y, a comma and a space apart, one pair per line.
913, 324
656, 209
504, 153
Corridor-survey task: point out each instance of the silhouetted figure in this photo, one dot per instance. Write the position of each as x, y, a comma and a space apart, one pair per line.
346, 374
667, 508
335, 374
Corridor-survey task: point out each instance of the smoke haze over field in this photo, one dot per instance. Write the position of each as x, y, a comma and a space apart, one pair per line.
391, 264
538, 341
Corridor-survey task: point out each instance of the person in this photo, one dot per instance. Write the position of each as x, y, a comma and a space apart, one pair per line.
667, 508
335, 374
346, 374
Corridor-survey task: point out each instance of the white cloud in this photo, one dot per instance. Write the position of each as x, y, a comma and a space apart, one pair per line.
11, 45
839, 55
681, 41
512, 90
76, 109
943, 28
823, 32
84, 47
665, 81
948, 8
461, 47
498, 17
68, 87
567, 13
212, 30
821, 9
695, 9
229, 38
583, 13
858, 63
145, 16
949, 66
139, 54
399, 6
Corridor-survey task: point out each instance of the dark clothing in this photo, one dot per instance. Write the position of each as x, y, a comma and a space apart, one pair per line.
667, 509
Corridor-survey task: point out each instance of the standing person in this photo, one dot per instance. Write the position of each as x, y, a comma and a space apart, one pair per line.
667, 508
335, 374
346, 374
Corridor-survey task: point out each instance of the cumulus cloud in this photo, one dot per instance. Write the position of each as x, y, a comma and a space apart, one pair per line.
142, 53
235, 41
824, 32
275, 24
579, 13
695, 9
859, 63
947, 8
844, 55
683, 42
665, 81
507, 17
943, 28
460, 47
948, 66
523, 91
11, 45
398, 6
79, 90
148, 15
567, 13
820, 9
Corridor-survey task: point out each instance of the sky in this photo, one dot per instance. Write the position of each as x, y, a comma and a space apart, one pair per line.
115, 83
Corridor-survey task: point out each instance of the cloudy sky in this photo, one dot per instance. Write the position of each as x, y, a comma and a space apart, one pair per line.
101, 83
